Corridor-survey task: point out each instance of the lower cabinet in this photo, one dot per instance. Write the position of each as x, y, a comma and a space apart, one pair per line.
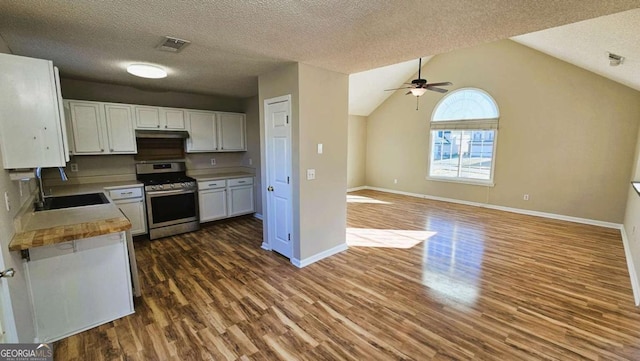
213, 204
225, 198
131, 202
79, 285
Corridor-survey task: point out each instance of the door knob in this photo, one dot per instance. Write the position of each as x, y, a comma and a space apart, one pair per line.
270, 189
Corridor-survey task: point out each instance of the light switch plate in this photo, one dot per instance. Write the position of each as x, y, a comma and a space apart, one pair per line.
319, 148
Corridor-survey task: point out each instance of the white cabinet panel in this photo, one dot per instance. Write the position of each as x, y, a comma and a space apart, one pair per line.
202, 131
100, 128
87, 119
172, 119
147, 117
240, 200
74, 290
121, 136
213, 204
231, 132
31, 118
134, 210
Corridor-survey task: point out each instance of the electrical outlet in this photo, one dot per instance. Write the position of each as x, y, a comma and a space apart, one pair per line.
213, 161
395, 181
320, 150
525, 197
74, 167
311, 174
250, 161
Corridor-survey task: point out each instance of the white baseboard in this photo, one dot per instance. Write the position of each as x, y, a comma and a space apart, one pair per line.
266, 246
561, 217
259, 216
631, 267
315, 258
356, 189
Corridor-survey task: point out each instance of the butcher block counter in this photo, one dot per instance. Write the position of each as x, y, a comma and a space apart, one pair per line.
62, 225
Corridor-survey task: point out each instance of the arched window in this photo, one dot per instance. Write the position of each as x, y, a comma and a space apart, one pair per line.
464, 130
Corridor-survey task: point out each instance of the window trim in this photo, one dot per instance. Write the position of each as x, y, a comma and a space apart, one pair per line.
483, 124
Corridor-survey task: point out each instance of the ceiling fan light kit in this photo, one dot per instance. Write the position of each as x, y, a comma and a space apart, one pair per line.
420, 86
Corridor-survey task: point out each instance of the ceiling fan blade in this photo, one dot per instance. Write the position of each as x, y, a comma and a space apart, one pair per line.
444, 83
439, 90
406, 87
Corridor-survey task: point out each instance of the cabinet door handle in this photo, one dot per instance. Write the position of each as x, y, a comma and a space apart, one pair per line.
241, 182
102, 150
166, 127
111, 149
158, 126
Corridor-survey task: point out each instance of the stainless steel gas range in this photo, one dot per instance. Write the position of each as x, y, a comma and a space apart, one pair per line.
171, 197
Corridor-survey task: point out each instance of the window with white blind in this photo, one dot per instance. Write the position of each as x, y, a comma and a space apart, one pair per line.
464, 131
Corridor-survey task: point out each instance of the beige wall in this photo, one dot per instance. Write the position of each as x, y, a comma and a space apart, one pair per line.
252, 111
632, 217
17, 312
566, 138
279, 82
357, 151
319, 115
88, 90
324, 102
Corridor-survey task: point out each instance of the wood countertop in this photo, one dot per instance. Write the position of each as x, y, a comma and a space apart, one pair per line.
62, 225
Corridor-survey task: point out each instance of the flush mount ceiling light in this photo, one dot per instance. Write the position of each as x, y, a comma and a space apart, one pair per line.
146, 71
615, 59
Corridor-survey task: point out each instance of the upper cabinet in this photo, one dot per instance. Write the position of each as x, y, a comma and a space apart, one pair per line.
202, 131
100, 128
148, 117
32, 132
231, 132
215, 132
109, 128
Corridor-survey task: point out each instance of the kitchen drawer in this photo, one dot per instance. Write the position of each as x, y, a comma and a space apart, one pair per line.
125, 193
240, 181
212, 184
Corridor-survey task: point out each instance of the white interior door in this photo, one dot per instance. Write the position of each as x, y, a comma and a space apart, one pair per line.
279, 214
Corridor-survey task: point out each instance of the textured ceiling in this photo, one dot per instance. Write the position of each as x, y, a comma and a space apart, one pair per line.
235, 41
587, 43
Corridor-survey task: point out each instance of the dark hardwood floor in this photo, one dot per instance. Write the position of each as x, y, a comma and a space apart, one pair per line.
422, 280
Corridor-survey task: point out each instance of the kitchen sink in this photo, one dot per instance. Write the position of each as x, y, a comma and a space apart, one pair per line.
78, 200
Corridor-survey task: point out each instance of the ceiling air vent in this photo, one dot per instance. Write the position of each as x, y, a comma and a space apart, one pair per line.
173, 45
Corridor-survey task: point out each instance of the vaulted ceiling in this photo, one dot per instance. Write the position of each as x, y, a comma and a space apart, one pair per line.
235, 41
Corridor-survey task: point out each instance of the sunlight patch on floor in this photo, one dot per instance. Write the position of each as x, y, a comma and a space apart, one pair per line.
363, 199
387, 238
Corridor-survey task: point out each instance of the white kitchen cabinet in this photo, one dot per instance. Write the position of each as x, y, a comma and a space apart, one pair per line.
100, 128
231, 132
131, 202
172, 119
78, 285
148, 117
215, 132
212, 197
240, 196
119, 122
202, 131
32, 131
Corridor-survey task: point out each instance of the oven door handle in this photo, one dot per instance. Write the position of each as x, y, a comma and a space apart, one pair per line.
175, 191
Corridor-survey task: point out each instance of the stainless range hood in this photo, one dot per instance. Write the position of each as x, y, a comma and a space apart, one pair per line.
162, 134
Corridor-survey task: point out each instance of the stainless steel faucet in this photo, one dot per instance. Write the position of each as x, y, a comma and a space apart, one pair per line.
41, 197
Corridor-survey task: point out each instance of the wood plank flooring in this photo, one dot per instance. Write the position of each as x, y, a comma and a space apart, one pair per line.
422, 280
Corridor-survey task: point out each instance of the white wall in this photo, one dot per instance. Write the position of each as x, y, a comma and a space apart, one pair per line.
357, 151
